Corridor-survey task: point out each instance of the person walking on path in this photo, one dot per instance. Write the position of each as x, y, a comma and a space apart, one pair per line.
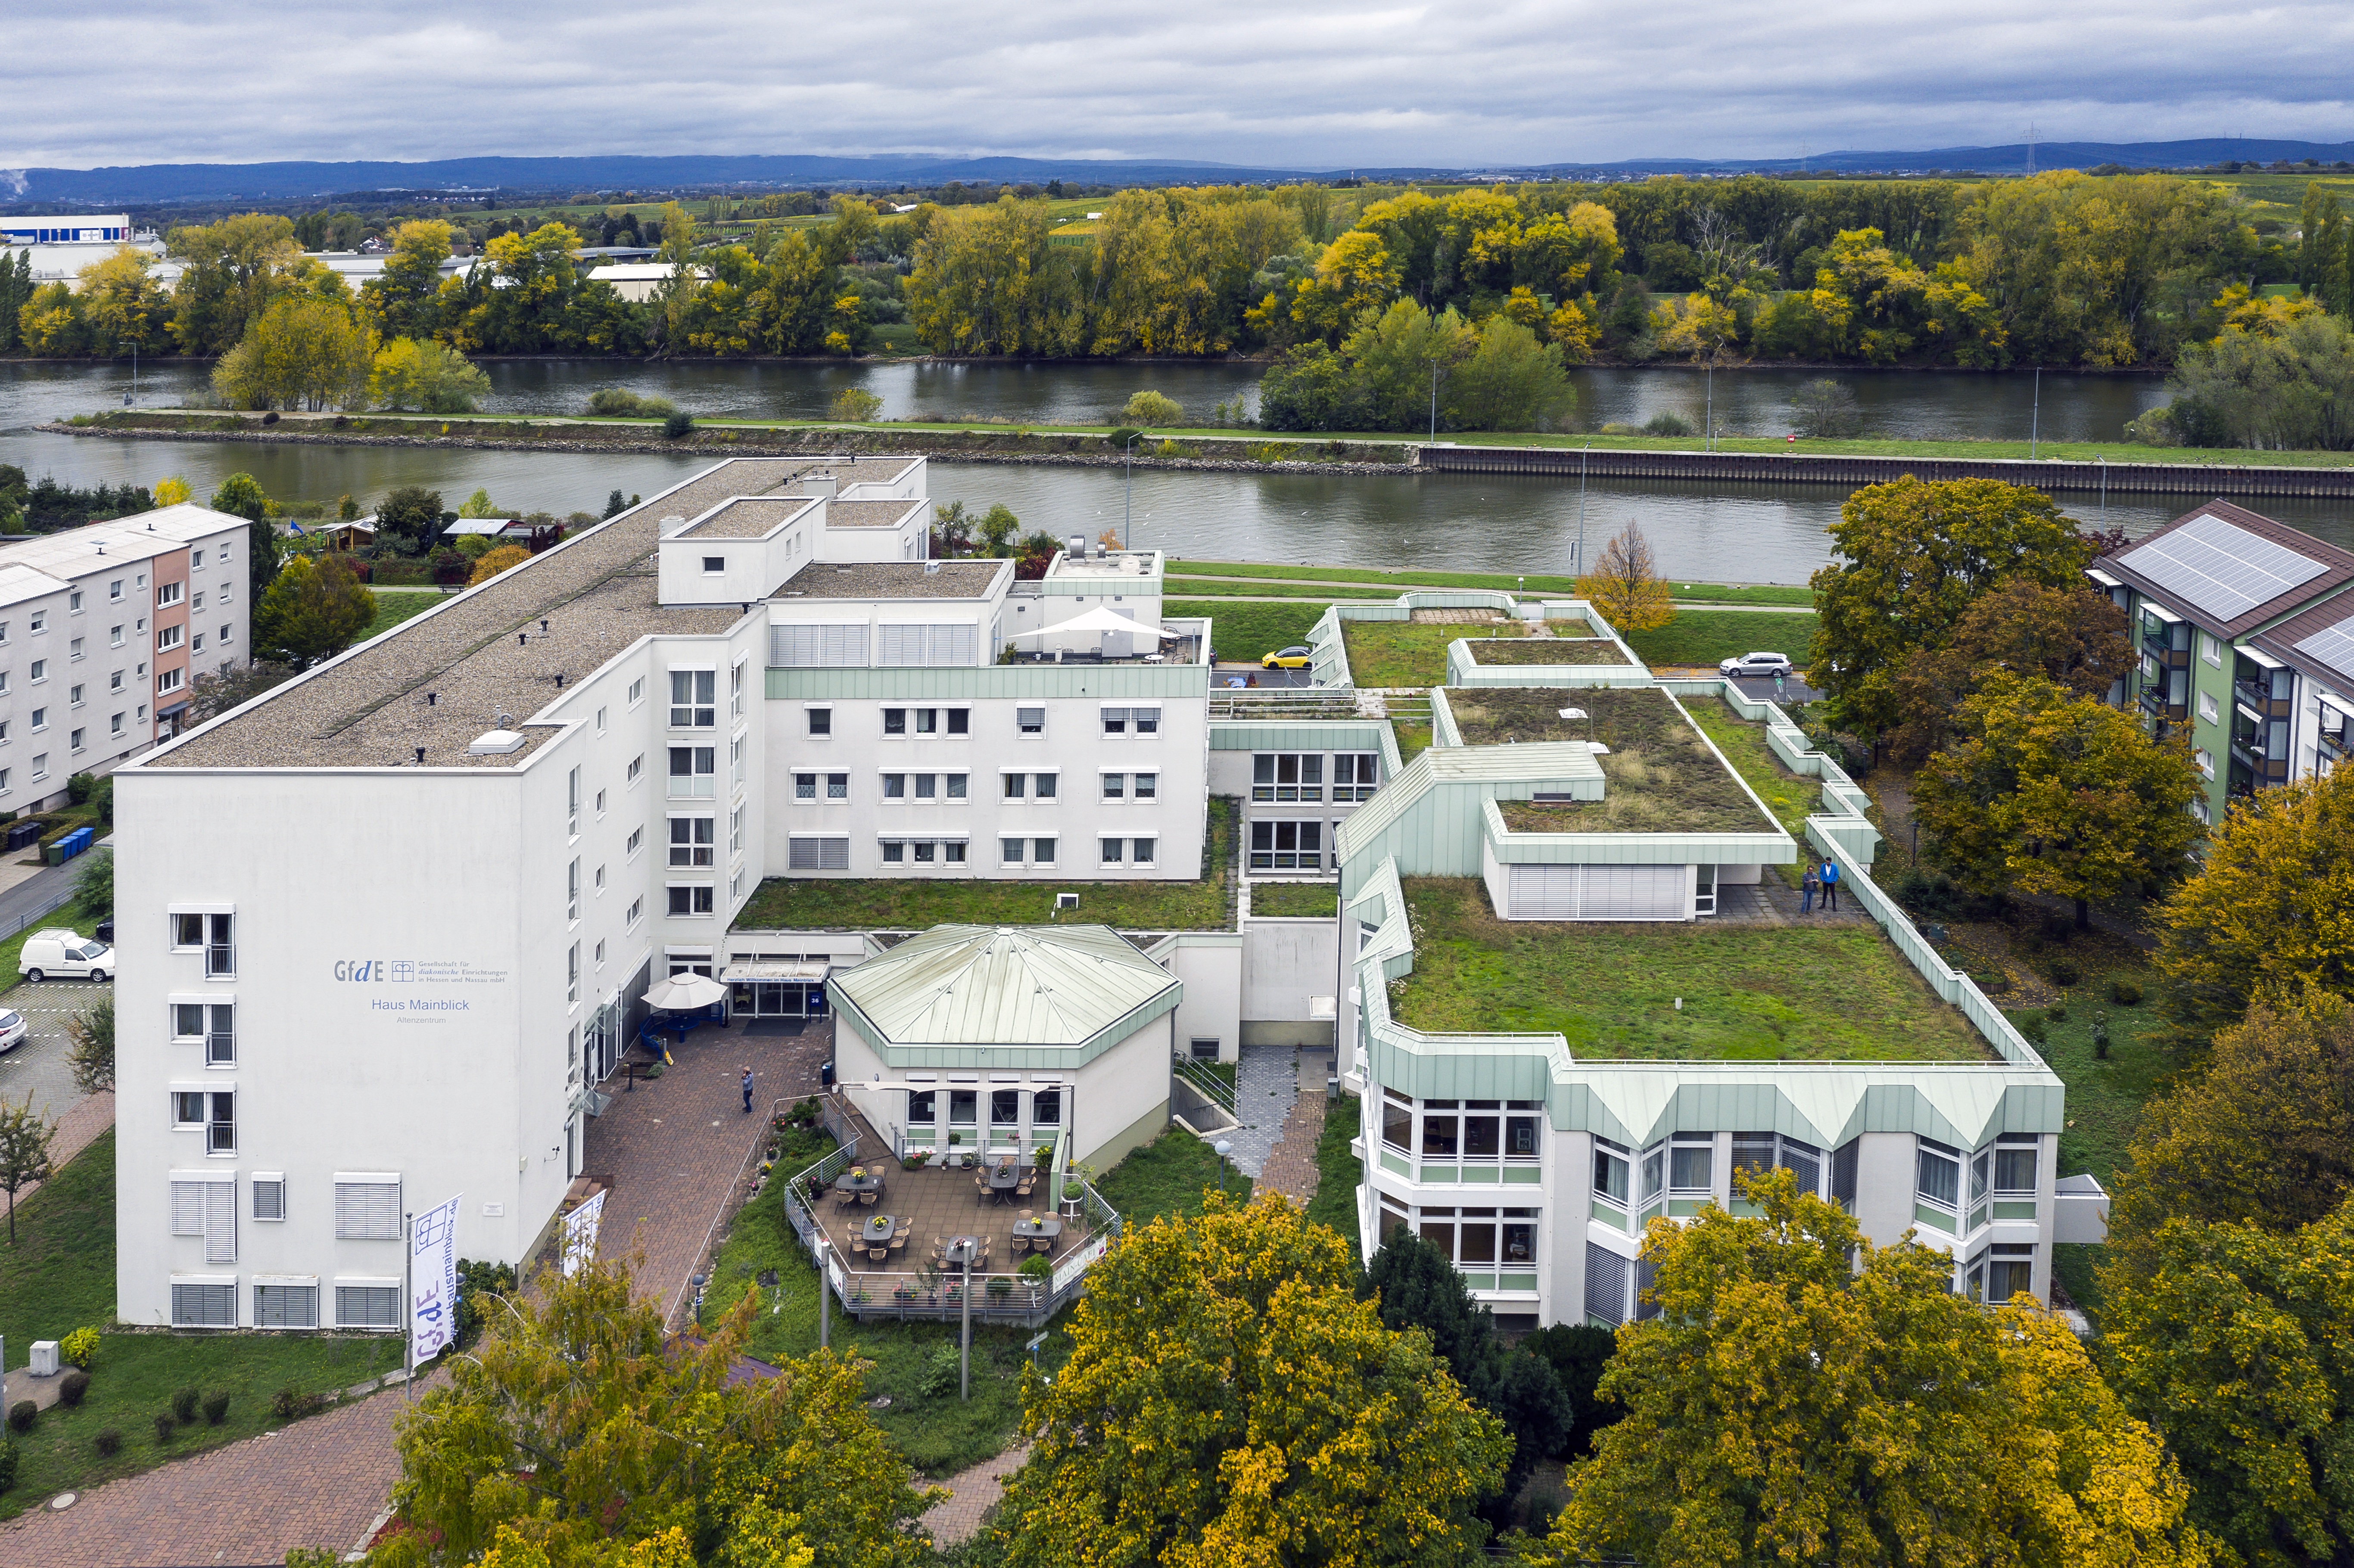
1830, 884
1808, 887
747, 1087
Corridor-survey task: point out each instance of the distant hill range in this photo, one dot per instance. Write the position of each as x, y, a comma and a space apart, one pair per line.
31, 189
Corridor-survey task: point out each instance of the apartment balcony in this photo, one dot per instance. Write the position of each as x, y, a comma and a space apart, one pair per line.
2157, 646
2154, 703
2254, 697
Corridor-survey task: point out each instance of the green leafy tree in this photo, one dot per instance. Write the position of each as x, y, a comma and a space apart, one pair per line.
1911, 555
2270, 906
302, 352
2052, 793
2071, 635
1399, 353
122, 305
579, 1433
2287, 385
90, 1046
1804, 1396
479, 505
24, 1137
232, 271
409, 519
996, 529
854, 406
215, 692
405, 300
313, 611
1149, 409
1510, 382
1229, 1400
431, 377
94, 885
240, 495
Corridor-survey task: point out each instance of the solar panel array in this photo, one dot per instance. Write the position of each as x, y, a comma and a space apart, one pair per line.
2333, 646
2220, 569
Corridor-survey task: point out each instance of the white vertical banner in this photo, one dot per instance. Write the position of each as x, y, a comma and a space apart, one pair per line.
433, 1282
580, 1234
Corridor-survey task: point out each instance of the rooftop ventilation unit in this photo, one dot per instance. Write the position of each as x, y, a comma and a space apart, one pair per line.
673, 525
1078, 547
494, 743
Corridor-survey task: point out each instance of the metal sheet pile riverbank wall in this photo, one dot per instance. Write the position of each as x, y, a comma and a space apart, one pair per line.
1811, 467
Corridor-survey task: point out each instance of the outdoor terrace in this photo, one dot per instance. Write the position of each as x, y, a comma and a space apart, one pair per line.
1660, 776
1749, 993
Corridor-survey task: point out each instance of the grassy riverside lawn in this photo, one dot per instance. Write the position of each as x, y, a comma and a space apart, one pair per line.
1705, 637
1248, 632
1303, 900
901, 904
61, 1276
1292, 580
1749, 993
1299, 446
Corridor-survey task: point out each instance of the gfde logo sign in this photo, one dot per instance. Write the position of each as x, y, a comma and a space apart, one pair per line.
375, 971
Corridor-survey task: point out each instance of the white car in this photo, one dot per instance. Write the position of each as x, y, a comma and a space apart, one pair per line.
1766, 665
58, 952
12, 1029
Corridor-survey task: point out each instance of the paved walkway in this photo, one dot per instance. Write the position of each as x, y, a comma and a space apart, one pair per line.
1266, 1081
972, 1494
674, 1155
1291, 1170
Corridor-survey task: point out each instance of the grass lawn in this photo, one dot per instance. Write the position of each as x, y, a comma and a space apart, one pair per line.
1243, 632
789, 903
1413, 737
1393, 653
1171, 1175
1789, 795
60, 1276
1314, 900
1705, 636
1337, 1173
1504, 582
392, 608
1749, 994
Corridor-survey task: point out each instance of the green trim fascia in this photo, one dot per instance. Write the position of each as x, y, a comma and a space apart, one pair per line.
1615, 1218
1395, 1166
1516, 1282
1524, 1175
2003, 1211
1935, 1219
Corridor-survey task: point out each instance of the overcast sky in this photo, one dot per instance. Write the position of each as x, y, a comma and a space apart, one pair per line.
1315, 84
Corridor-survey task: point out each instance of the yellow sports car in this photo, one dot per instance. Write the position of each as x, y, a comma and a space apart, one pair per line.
1292, 658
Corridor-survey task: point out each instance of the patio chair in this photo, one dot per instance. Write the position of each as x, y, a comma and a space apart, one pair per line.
876, 1254
869, 1199
899, 1241
1021, 1188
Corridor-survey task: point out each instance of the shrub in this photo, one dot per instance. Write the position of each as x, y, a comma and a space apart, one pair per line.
7, 1466
2101, 1036
941, 1374
71, 1389
2030, 1026
108, 1443
21, 1415
80, 1348
2125, 993
2064, 971
217, 1408
78, 787
679, 425
854, 406
1667, 423
1037, 1269
184, 1405
270, 417
620, 403
290, 1403
165, 1427
2057, 1012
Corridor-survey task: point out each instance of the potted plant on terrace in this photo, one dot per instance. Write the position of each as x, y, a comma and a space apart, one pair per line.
1038, 1273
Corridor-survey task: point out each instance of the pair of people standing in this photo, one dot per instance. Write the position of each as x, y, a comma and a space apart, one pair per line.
1821, 882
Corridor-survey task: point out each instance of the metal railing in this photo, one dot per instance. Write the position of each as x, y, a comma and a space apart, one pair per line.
56, 901
1209, 1084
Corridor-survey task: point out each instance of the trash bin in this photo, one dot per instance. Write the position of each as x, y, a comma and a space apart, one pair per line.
825, 1075
20, 834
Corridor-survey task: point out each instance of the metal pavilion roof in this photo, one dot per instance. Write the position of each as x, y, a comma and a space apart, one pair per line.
1005, 986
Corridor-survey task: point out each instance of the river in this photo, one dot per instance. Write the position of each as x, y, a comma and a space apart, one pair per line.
1466, 523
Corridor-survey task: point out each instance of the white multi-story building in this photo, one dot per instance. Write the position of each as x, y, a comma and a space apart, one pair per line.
385, 928
102, 629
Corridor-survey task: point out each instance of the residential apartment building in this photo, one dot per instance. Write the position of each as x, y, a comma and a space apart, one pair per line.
2236, 617
103, 629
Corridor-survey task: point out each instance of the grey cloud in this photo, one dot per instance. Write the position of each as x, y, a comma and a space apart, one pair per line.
1304, 84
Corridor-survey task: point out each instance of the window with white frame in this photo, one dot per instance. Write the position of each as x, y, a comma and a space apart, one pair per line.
1355, 775
692, 841
735, 688
1134, 852
572, 891
735, 831
1692, 1164
206, 1207
2208, 708
689, 898
635, 841
1479, 1236
637, 912
1757, 1153
269, 1195
694, 699
203, 1303
166, 594
572, 975
1032, 851
168, 638
367, 1306
211, 1024
1937, 1175
1131, 720
1044, 786
1030, 721
212, 1112
572, 803
922, 854
637, 691
367, 1206
280, 1304
1613, 1172
1287, 776
817, 852
169, 681
694, 772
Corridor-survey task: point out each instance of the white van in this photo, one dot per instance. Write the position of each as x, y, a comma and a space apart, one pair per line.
60, 952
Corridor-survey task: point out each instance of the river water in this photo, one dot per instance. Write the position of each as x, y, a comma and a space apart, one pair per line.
1456, 521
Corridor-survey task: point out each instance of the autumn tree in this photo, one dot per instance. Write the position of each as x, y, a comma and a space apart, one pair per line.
1228, 1399
313, 611
1149, 409
90, 1046
171, 491
1625, 584
122, 305
579, 1435
2271, 904
431, 377
2068, 634
215, 692
303, 351
2052, 793
240, 495
1806, 1396
405, 300
24, 1137
506, 558
854, 406
1910, 556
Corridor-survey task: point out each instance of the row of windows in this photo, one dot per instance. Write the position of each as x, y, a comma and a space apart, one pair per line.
1475, 1237
1463, 1130
367, 1208
816, 852
1300, 776
957, 722
963, 1106
959, 786
209, 1304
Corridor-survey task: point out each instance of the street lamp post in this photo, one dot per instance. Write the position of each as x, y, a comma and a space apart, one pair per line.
1711, 406
133, 396
1223, 1148
1128, 499
1577, 564
1433, 399
2035, 416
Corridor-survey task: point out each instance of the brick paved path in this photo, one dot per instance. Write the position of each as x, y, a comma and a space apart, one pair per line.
672, 1153
973, 1493
1290, 1169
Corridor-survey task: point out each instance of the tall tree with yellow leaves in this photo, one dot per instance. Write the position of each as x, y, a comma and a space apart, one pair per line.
1625, 584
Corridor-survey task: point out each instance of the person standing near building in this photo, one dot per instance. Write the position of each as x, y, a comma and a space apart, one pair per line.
1831, 884
747, 1087
1809, 886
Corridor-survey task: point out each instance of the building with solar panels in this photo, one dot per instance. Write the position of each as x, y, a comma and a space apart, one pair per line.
2246, 632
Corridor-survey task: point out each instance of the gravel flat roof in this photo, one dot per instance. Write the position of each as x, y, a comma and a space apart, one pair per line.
866, 514
368, 708
747, 519
891, 579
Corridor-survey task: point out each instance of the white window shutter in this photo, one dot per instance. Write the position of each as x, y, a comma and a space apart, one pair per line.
368, 1210
188, 1207
220, 1221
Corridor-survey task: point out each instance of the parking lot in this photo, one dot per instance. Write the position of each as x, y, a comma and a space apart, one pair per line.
38, 1066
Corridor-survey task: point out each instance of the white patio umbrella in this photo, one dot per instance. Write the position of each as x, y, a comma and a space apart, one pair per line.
685, 993
1101, 620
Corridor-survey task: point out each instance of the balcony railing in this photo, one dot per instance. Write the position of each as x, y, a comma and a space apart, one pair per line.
2254, 697
2157, 645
